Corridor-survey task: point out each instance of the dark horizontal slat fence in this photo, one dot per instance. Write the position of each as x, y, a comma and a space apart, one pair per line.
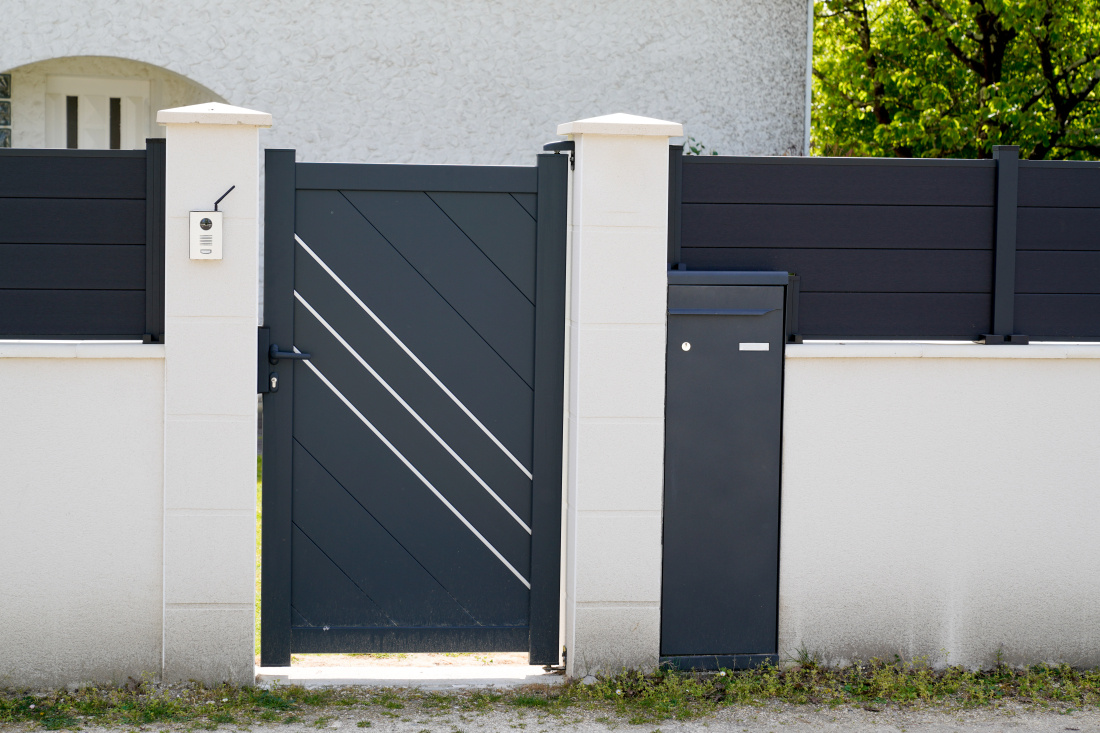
860, 181
835, 226
904, 249
86, 314
79, 174
72, 267
72, 221
1058, 250
81, 246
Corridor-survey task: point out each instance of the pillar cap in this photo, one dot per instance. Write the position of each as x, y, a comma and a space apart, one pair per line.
621, 123
213, 113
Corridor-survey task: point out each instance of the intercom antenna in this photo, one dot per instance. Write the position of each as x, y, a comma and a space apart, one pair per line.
223, 196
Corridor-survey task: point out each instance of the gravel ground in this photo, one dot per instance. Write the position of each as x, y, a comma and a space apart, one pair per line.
764, 719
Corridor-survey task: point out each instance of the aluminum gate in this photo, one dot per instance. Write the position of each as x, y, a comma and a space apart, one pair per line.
412, 461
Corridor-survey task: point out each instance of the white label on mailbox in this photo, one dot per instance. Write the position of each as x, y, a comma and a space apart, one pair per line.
748, 346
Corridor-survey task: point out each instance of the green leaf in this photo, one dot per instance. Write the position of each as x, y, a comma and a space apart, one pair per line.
952, 78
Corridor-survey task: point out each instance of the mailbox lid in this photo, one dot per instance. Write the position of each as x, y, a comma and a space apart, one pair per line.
727, 277
724, 300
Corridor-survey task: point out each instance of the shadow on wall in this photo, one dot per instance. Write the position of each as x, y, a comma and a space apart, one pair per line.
94, 102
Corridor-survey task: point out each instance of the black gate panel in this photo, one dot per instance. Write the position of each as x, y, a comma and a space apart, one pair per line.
463, 275
722, 468
407, 303
412, 448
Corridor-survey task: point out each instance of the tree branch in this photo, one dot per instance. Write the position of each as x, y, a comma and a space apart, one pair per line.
972, 64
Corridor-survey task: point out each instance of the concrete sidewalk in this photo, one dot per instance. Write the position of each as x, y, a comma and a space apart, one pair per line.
453, 677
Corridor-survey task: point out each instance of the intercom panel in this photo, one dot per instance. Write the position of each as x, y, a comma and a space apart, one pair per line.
206, 235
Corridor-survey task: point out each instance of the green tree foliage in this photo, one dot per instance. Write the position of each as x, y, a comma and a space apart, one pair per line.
952, 78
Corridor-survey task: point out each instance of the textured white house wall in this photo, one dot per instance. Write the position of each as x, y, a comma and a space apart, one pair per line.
210, 403
941, 502
616, 392
421, 82
81, 454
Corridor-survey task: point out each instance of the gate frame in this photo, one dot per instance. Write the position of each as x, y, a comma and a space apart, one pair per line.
548, 427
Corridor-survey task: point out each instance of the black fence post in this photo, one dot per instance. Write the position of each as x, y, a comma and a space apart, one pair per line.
154, 240
675, 199
280, 173
1004, 256
549, 427
790, 311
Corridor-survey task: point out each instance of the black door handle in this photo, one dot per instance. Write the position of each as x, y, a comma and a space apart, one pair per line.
273, 355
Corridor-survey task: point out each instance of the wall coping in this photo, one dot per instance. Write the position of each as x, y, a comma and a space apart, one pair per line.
621, 123
213, 113
80, 350
926, 350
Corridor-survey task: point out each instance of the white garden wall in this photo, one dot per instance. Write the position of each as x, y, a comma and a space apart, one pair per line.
938, 500
81, 511
127, 470
941, 501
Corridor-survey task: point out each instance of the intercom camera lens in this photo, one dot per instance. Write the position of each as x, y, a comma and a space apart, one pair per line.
206, 223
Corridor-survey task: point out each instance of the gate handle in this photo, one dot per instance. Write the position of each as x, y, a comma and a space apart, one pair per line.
273, 354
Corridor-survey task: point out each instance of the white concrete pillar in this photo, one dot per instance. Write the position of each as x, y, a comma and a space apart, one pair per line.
616, 392
210, 316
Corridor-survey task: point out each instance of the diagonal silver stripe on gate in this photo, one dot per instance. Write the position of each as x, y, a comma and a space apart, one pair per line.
412, 356
411, 411
415, 472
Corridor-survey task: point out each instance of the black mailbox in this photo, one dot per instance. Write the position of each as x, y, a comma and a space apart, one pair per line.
723, 418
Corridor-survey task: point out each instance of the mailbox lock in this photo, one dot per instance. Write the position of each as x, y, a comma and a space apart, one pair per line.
686, 346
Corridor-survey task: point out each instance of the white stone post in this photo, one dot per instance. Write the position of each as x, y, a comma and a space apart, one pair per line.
210, 316
616, 392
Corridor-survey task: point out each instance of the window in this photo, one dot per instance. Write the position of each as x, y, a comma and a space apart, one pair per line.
5, 110
89, 113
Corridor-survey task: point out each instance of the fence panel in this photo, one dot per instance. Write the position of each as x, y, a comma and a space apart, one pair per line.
882, 247
81, 249
1058, 250
901, 249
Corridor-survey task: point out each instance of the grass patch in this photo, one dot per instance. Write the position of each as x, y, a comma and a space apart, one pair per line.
141, 704
642, 698
380, 655
628, 697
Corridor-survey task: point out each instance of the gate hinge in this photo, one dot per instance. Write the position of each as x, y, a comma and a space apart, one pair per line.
559, 146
